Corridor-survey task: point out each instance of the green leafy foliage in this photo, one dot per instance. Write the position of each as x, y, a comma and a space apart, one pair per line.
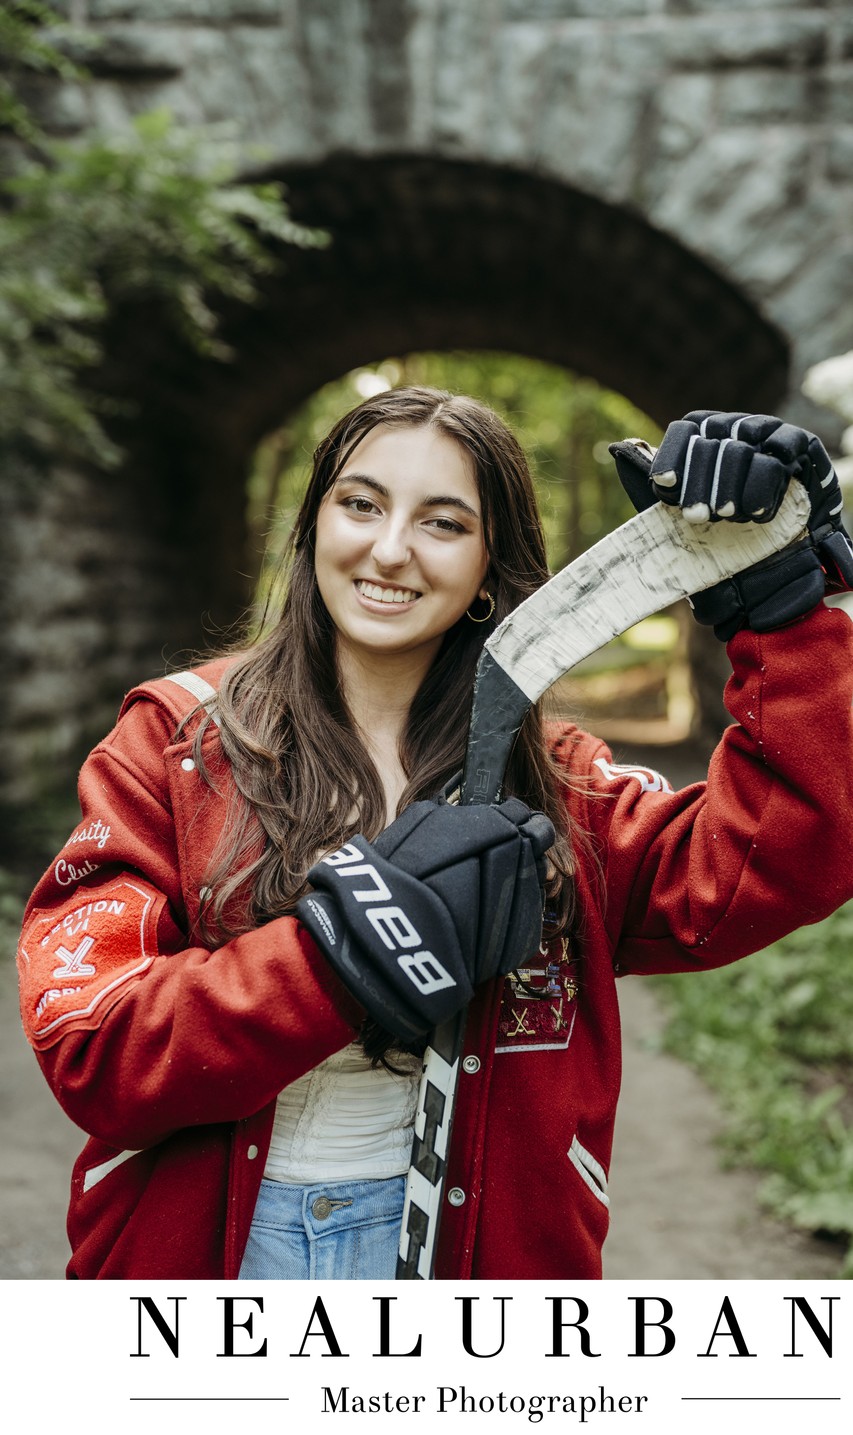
25, 44
152, 214
147, 215
774, 1035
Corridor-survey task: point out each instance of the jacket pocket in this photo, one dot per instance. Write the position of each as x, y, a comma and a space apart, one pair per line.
591, 1171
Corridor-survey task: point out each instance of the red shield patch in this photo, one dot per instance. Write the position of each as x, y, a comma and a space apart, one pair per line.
76, 960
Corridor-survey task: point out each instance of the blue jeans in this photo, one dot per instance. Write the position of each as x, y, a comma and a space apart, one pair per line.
334, 1231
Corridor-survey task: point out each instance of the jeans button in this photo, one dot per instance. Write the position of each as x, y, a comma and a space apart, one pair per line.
321, 1208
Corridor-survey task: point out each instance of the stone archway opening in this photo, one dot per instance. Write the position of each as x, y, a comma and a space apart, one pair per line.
427, 254
432, 255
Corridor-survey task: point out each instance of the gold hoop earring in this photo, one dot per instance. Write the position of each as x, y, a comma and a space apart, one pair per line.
488, 615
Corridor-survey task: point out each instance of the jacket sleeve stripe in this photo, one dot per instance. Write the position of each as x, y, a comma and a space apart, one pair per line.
198, 688
97, 1173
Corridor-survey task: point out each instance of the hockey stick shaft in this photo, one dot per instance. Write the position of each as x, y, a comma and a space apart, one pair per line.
648, 563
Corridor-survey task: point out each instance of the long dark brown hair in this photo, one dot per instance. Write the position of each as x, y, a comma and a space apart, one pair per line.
304, 782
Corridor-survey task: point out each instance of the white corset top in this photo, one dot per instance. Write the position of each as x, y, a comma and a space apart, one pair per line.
345, 1121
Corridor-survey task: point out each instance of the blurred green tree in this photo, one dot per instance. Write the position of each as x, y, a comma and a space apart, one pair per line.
25, 44
152, 214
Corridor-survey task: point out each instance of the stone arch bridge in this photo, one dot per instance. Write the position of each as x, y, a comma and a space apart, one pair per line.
657, 193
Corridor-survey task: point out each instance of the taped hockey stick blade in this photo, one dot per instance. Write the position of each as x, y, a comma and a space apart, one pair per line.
640, 568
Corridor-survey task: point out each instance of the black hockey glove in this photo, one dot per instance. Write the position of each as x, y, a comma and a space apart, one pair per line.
444, 899
737, 467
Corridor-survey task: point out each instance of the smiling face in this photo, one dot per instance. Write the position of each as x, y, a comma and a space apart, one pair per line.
400, 552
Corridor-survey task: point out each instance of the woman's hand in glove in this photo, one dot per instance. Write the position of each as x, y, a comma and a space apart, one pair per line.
736, 467
445, 898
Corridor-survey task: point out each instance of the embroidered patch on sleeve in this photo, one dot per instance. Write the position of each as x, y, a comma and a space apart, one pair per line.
76, 860
75, 961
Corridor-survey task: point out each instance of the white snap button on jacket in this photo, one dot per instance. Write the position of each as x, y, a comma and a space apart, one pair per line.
471, 1064
456, 1196
252, 1152
187, 764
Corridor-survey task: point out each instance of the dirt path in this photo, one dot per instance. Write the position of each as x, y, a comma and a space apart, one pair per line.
675, 1214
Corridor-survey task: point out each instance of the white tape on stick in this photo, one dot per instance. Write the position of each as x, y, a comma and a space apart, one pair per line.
637, 570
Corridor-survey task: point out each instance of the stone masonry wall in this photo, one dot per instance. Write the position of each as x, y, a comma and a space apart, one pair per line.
726, 125
657, 192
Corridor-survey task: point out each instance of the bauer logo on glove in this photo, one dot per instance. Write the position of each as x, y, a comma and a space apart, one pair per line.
390, 922
447, 897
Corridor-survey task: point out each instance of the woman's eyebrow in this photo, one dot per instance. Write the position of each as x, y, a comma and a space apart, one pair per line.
447, 500
365, 479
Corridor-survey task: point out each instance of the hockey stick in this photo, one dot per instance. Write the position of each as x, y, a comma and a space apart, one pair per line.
648, 563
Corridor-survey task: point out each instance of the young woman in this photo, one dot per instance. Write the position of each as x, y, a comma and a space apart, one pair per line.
230, 970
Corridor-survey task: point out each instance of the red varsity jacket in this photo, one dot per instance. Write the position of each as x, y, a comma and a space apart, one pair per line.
170, 1056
